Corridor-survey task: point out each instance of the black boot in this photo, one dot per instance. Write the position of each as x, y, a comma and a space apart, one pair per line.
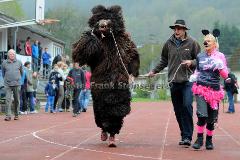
199, 142
209, 144
112, 142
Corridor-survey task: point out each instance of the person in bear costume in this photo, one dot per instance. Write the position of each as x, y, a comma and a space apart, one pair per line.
113, 59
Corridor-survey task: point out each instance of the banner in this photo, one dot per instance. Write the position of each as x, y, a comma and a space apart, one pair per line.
24, 59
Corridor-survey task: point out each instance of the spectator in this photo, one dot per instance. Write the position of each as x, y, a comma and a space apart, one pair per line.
61, 86
67, 92
50, 91
35, 83
35, 55
9, 45
231, 88
30, 97
67, 60
27, 47
85, 93
70, 66
46, 62
19, 48
65, 70
39, 55
23, 92
56, 59
57, 77
77, 76
12, 72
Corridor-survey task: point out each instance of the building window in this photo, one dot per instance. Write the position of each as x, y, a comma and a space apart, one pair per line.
57, 49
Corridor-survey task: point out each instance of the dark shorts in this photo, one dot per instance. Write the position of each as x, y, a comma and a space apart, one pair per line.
204, 110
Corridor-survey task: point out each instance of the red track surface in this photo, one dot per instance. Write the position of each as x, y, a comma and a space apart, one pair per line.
150, 132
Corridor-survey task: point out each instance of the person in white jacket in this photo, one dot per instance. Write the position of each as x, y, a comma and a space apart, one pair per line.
61, 86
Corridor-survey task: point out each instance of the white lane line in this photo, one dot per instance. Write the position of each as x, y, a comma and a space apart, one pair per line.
165, 136
91, 150
119, 154
29, 134
219, 135
14, 138
86, 149
72, 148
230, 136
34, 134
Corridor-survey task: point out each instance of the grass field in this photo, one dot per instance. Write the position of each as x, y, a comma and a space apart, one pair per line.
145, 100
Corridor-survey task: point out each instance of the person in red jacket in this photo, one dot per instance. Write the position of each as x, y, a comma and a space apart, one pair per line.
27, 47
85, 93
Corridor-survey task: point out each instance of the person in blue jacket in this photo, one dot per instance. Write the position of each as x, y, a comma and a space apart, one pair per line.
50, 91
46, 58
35, 55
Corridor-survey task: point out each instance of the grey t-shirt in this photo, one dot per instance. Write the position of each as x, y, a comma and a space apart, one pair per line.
12, 72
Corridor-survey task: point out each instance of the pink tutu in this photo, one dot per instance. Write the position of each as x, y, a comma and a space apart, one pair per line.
211, 96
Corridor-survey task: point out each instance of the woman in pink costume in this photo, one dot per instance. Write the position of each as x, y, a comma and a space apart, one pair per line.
211, 64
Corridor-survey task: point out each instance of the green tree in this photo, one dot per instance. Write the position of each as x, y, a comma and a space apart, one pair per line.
12, 9
149, 57
229, 38
72, 24
229, 43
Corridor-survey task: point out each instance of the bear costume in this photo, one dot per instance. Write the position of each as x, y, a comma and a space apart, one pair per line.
113, 58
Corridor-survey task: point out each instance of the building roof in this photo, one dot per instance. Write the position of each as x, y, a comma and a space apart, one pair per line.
32, 28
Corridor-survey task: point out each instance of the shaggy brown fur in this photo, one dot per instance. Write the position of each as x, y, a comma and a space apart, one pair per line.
96, 48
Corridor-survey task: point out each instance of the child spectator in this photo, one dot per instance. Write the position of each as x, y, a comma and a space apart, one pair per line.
30, 97
50, 91
57, 77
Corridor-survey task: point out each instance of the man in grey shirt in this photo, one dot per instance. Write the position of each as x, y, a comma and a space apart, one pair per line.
12, 71
179, 55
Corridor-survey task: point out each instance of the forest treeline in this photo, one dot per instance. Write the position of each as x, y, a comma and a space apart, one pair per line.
147, 20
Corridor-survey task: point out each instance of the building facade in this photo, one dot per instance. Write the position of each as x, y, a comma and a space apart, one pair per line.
10, 37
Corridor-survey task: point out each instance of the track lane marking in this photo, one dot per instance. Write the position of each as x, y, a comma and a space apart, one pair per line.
165, 136
229, 135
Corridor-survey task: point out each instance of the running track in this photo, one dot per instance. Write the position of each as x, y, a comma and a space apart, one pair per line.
150, 132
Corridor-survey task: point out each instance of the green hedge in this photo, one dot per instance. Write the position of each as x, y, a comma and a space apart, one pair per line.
161, 94
141, 93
